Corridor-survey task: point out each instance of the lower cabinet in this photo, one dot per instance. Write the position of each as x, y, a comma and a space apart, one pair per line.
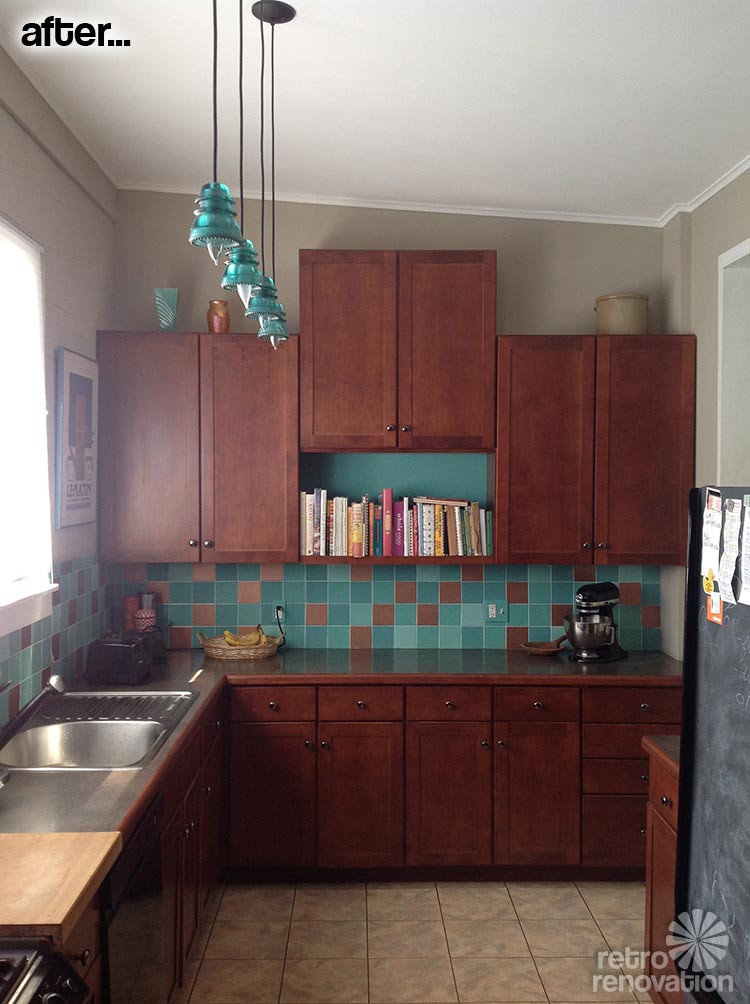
449, 793
660, 869
191, 865
360, 794
537, 793
212, 808
614, 831
171, 868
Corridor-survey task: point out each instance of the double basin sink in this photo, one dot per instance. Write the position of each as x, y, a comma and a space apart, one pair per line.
94, 731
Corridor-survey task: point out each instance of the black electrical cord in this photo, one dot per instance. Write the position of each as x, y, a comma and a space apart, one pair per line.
262, 140
273, 158
242, 124
216, 102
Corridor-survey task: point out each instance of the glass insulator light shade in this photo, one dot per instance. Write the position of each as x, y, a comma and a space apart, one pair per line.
274, 327
242, 272
215, 226
263, 299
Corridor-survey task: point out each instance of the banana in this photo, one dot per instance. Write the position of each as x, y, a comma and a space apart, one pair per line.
245, 640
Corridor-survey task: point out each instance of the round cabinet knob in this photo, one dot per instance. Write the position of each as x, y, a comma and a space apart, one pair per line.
216, 725
586, 545
208, 543
601, 545
324, 745
643, 833
209, 790
186, 832
644, 778
390, 428
666, 800
192, 542
450, 705
54, 998
645, 707
83, 957
501, 744
308, 744
273, 706
485, 744
362, 705
406, 428
538, 705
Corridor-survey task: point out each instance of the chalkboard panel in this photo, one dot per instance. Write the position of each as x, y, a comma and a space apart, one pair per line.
713, 853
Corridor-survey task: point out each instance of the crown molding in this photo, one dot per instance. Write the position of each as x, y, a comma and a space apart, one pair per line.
707, 193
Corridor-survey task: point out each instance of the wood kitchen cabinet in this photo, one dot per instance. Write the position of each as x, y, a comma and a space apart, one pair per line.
597, 470
191, 866
198, 455
386, 338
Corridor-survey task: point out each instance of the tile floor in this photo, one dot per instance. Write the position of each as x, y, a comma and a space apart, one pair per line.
412, 943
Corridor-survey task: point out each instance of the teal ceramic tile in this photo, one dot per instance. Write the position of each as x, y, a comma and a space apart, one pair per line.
405, 613
472, 592
539, 592
651, 573
493, 573
294, 592
181, 614
539, 573
449, 613
630, 638
494, 636
27, 690
361, 592
361, 614
338, 613
204, 592
157, 572
271, 592
650, 594
627, 616
405, 573
472, 615
652, 639
47, 626
539, 634
518, 615
338, 637
292, 573
630, 573
338, 592
383, 572
226, 613
180, 571
248, 614
428, 573
517, 573
562, 573
450, 573
472, 637
339, 573
313, 572
226, 573
404, 636
316, 592
14, 641
295, 637
539, 615
36, 657
383, 592
382, 636
14, 667
562, 592
181, 592
4, 648
25, 663
427, 592
449, 636
250, 571
226, 592
316, 637
36, 632
268, 616
427, 636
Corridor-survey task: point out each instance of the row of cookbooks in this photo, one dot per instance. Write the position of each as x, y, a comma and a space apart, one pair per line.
422, 526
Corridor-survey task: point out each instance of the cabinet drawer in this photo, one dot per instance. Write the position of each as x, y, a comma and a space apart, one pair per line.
84, 942
615, 777
536, 704
618, 741
614, 830
447, 704
367, 704
273, 704
662, 792
632, 704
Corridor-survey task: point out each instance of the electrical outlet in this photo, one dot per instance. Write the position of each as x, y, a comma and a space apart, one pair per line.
279, 612
497, 613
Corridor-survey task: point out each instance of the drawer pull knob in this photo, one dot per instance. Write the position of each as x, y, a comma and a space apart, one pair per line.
308, 744
666, 800
324, 744
644, 778
586, 545
451, 705
485, 744
192, 542
273, 706
601, 545
362, 705
538, 705
645, 707
214, 725
207, 790
643, 833
83, 957
208, 543
406, 428
501, 744
390, 428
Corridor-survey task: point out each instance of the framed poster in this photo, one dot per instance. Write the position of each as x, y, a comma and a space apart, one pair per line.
77, 404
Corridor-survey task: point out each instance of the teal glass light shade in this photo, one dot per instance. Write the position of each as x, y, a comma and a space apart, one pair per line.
273, 327
263, 299
242, 272
215, 226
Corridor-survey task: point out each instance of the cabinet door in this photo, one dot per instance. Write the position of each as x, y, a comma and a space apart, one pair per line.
149, 487
537, 793
645, 418
250, 503
614, 831
272, 795
660, 880
446, 350
545, 449
213, 816
448, 793
171, 858
191, 875
360, 795
348, 350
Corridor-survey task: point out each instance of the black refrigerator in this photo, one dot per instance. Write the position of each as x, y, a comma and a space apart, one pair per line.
712, 889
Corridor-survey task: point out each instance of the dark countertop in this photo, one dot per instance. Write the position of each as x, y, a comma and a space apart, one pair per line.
665, 749
83, 801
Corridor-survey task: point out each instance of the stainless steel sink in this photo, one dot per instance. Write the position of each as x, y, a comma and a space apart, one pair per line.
104, 745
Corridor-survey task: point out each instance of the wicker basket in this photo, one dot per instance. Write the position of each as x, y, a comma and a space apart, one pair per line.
217, 648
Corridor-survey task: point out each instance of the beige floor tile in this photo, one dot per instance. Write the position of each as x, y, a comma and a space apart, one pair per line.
182, 994
497, 981
475, 901
213, 903
327, 939
548, 901
615, 900
563, 938
263, 939
324, 981
402, 901
406, 939
623, 934
406, 981
342, 901
573, 980
256, 902
198, 948
240, 982
485, 939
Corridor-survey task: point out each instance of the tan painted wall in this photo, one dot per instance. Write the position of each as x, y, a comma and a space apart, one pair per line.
51, 190
548, 272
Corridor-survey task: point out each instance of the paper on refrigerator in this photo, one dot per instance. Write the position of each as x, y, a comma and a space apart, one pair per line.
711, 539
728, 562
745, 563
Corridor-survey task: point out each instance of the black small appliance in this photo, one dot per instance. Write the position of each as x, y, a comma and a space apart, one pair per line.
591, 629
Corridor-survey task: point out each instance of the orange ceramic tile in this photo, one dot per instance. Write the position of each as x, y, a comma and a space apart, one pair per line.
382, 613
203, 572
134, 572
630, 592
360, 573
518, 592
584, 573
361, 637
472, 573
180, 637
204, 614
427, 613
558, 612
248, 592
273, 572
316, 613
450, 592
406, 592
161, 589
651, 617
515, 636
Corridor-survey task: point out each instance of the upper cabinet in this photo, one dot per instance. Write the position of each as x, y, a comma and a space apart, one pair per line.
198, 448
397, 350
595, 449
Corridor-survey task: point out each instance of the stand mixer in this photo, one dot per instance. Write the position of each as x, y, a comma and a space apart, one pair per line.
591, 628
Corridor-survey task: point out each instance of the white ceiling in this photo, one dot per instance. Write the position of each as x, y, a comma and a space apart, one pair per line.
615, 108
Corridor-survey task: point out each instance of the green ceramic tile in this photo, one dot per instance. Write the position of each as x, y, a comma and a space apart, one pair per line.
427, 636
4, 648
316, 572
361, 614
472, 637
27, 690
450, 573
449, 613
381, 573
181, 592
181, 614
226, 592
249, 571
405, 573
518, 615
294, 592
517, 573
562, 592
539, 615
472, 592
652, 639
291, 573
651, 573
361, 592
271, 592
339, 573
494, 636
36, 658
157, 572
383, 592
294, 613
494, 573
651, 594
627, 616
226, 573
268, 616
204, 592
562, 573
539, 592
539, 573
338, 637
382, 636
631, 638
338, 592
404, 636
4, 712
630, 573
248, 614
472, 615
316, 637
47, 626
180, 571
428, 573
427, 592
449, 637
538, 633
406, 613
338, 613
316, 592
36, 631
607, 573
295, 637
14, 640
14, 667
226, 613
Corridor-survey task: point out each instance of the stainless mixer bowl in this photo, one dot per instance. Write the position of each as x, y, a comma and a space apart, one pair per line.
589, 631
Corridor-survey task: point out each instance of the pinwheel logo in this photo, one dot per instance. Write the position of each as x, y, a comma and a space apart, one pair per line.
699, 940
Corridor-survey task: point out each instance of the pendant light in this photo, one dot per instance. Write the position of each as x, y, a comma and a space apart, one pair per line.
215, 225
242, 272
263, 304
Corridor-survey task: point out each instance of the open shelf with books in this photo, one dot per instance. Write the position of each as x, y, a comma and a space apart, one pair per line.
420, 508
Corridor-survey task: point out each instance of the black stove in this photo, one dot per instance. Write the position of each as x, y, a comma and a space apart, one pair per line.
31, 973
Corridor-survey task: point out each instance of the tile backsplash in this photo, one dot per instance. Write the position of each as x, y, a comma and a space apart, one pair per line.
389, 606
81, 609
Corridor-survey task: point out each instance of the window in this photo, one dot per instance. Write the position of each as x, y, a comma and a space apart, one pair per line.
26, 550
